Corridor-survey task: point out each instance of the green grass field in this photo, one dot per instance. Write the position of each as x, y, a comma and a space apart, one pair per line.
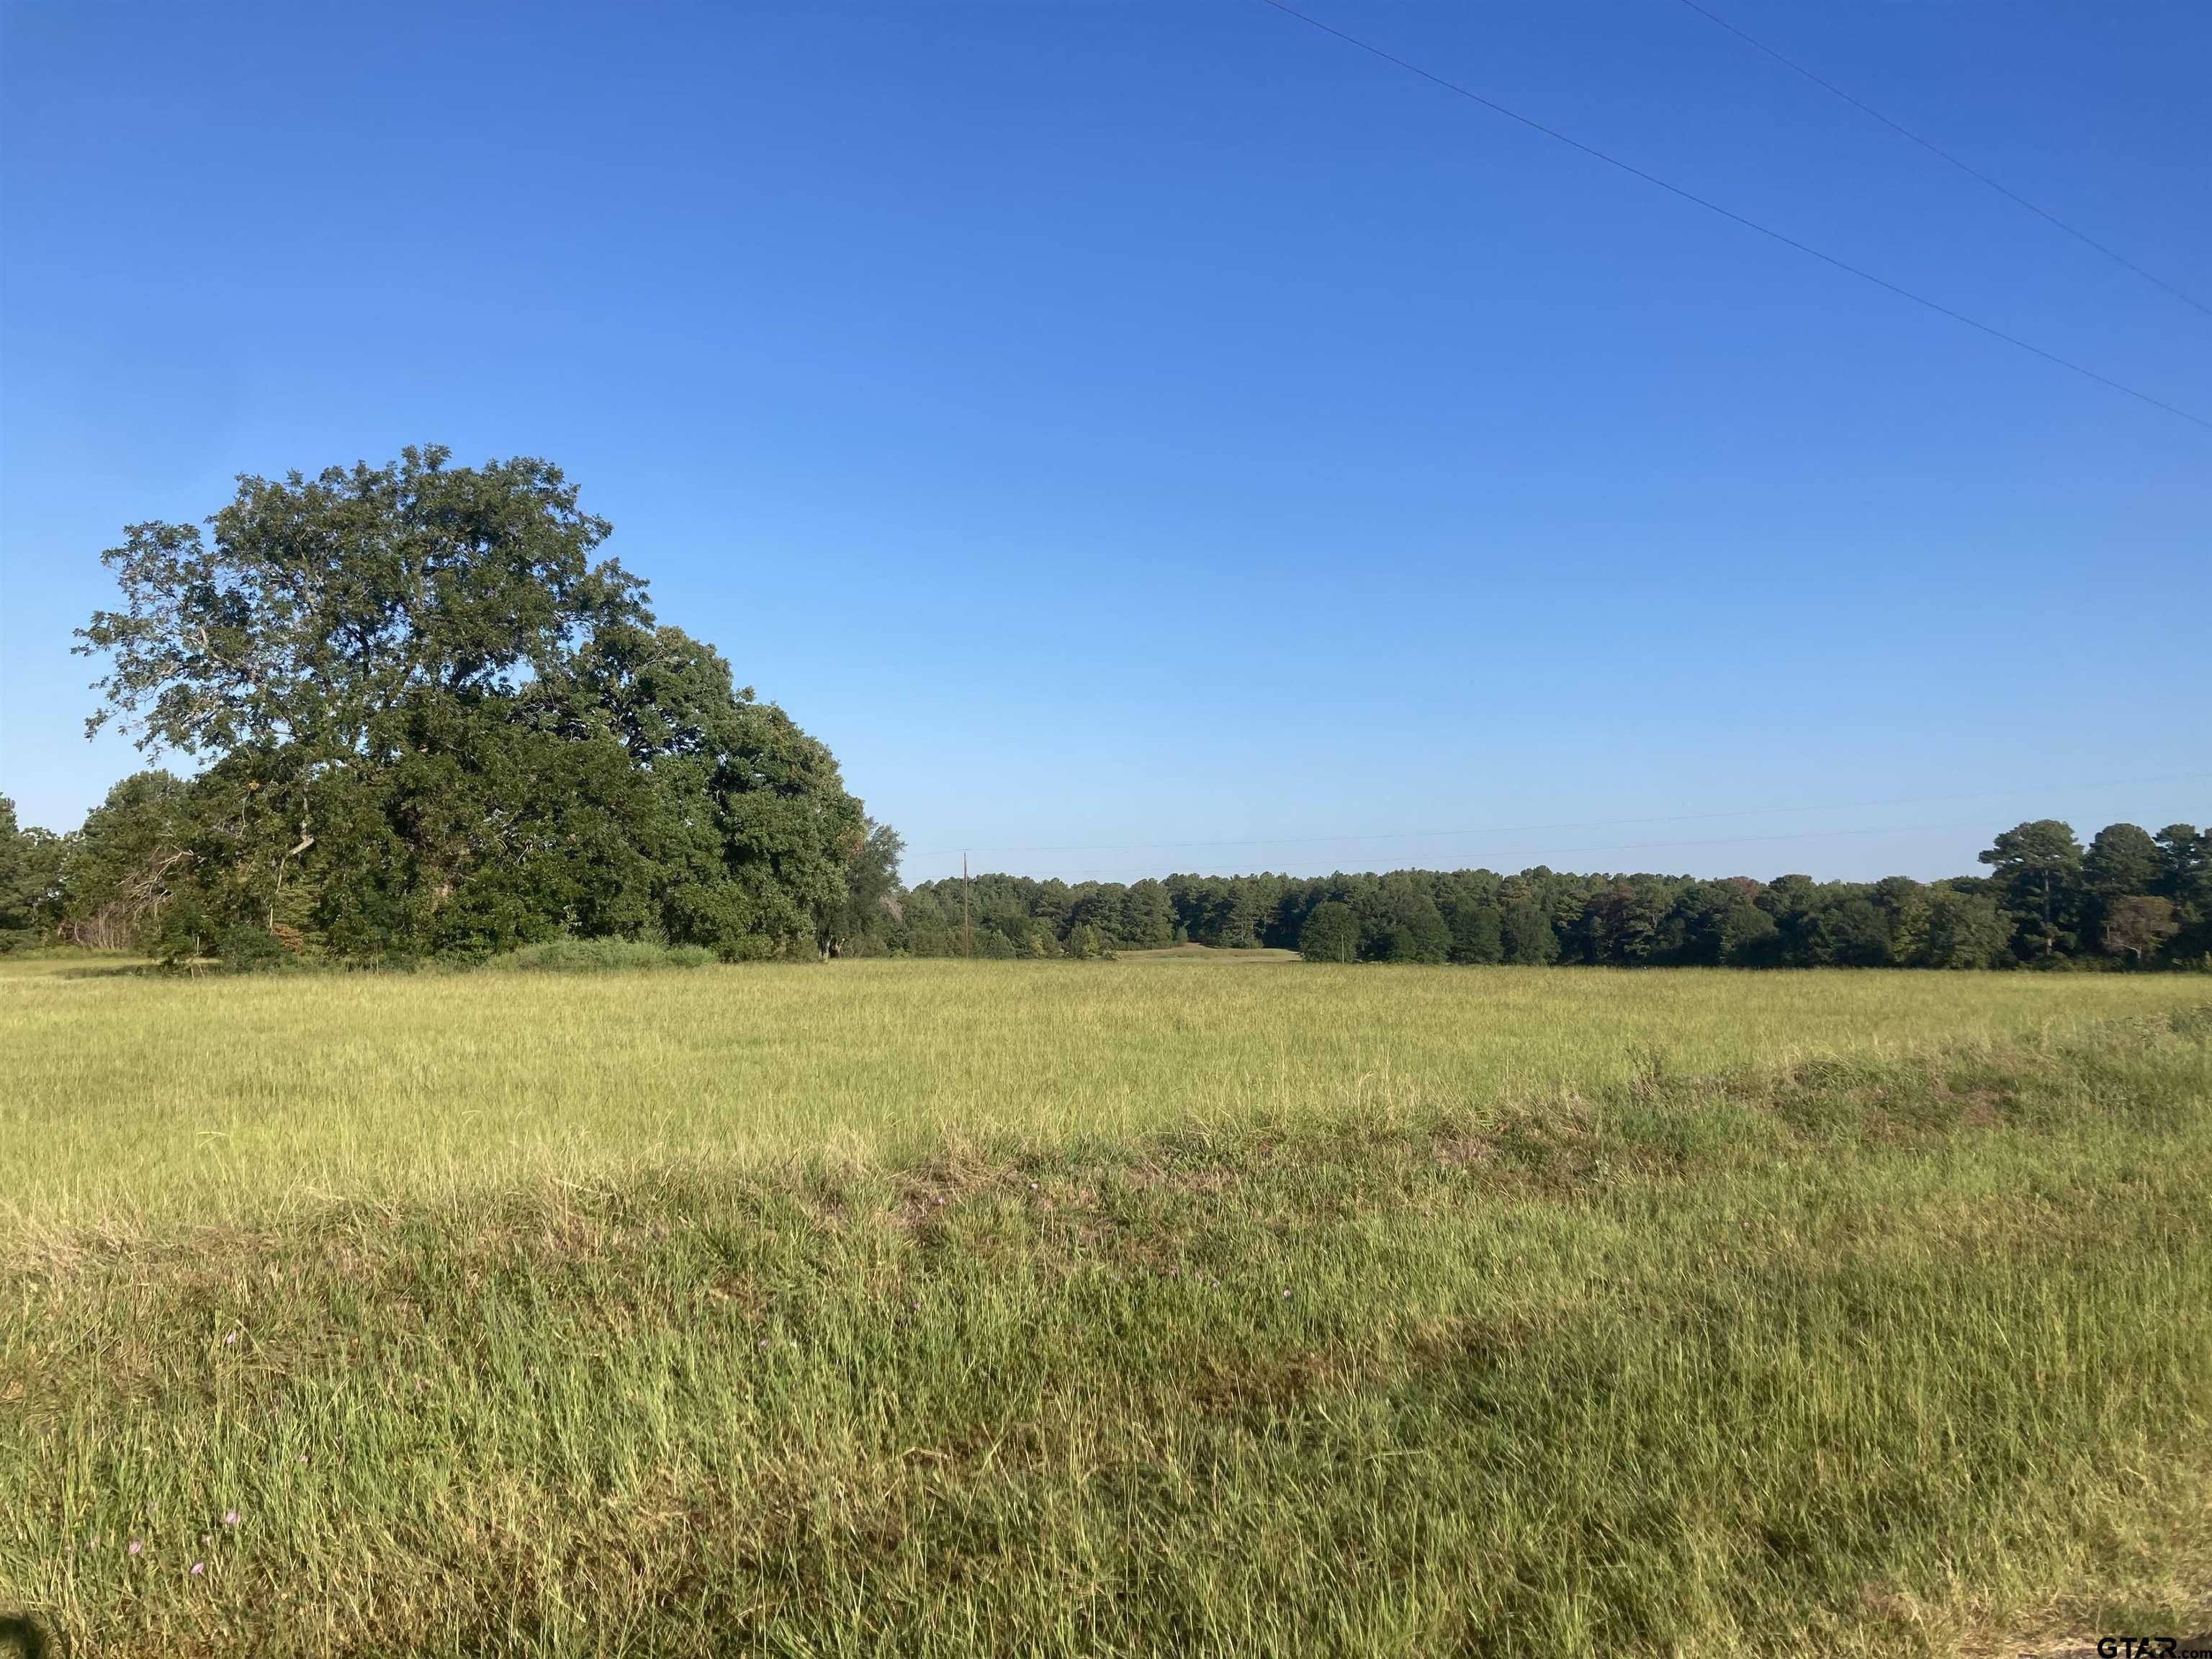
1150, 1307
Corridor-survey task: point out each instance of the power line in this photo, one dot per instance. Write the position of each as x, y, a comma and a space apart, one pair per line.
1690, 196
1937, 150
2077, 787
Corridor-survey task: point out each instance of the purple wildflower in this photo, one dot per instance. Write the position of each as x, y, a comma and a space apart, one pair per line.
230, 1517
199, 1567
136, 1545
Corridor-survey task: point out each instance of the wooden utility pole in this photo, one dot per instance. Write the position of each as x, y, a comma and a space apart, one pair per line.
964, 951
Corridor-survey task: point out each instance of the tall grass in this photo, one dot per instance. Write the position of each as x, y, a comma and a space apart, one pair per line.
599, 956
128, 1098
1128, 1308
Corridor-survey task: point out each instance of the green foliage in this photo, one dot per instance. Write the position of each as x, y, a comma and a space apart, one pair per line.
244, 948
1086, 943
1149, 918
439, 726
2135, 925
2184, 880
1530, 940
2121, 860
2038, 870
1960, 930
1403, 924
858, 924
323, 605
1331, 933
599, 956
1473, 919
1539, 915
120, 872
30, 868
1851, 932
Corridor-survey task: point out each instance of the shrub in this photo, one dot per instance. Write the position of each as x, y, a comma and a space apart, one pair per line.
1331, 934
599, 955
247, 948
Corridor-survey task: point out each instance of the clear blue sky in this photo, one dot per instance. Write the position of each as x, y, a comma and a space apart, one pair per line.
1127, 428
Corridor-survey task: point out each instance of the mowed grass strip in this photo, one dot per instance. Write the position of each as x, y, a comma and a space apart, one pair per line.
1788, 1329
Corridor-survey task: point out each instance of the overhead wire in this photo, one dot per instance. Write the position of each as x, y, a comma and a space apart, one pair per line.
1789, 241
1937, 150
1768, 231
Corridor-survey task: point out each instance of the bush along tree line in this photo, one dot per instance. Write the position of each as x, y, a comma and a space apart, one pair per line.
431, 722
2130, 900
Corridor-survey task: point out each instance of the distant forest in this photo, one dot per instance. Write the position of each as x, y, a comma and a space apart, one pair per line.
2130, 900
146, 873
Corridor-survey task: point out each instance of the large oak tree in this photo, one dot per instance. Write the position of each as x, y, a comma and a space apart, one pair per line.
435, 721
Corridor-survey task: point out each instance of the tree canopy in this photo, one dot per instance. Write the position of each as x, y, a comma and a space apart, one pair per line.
1330, 933
29, 866
2043, 907
434, 721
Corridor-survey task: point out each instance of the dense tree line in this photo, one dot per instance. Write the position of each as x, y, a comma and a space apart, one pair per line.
157, 866
431, 722
2129, 899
